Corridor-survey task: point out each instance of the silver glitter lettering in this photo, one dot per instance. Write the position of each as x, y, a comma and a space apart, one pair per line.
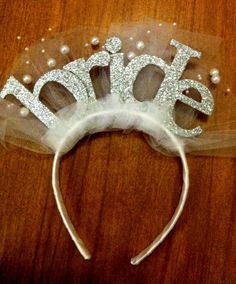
171, 90
15, 88
76, 78
81, 69
72, 83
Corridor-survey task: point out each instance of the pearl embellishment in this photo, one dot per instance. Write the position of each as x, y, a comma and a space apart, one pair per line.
199, 76
140, 45
215, 79
51, 62
95, 41
131, 55
11, 105
64, 49
27, 79
24, 112
214, 72
215, 76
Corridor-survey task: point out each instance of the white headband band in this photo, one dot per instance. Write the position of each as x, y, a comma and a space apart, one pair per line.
93, 123
105, 85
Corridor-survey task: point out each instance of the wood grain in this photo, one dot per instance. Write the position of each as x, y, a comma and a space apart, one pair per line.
119, 192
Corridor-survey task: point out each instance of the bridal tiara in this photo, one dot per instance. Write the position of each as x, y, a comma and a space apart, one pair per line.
76, 78
119, 109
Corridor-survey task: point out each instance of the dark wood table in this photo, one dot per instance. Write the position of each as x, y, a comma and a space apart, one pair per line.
119, 192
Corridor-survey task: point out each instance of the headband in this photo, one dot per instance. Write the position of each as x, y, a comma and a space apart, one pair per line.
142, 77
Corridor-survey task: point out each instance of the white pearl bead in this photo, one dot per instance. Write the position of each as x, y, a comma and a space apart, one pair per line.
215, 79
95, 41
51, 62
43, 50
214, 72
131, 38
24, 112
160, 25
49, 29
131, 55
187, 92
64, 49
9, 106
148, 32
174, 24
199, 76
27, 62
27, 79
26, 49
18, 37
228, 90
86, 45
42, 39
140, 45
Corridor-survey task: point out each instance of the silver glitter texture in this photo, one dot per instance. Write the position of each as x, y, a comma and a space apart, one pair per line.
113, 44
66, 79
76, 78
81, 69
133, 69
13, 87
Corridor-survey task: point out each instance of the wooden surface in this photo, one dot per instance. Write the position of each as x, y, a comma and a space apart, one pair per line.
119, 192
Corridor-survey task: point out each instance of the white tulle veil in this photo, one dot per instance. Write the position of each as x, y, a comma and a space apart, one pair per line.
219, 129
